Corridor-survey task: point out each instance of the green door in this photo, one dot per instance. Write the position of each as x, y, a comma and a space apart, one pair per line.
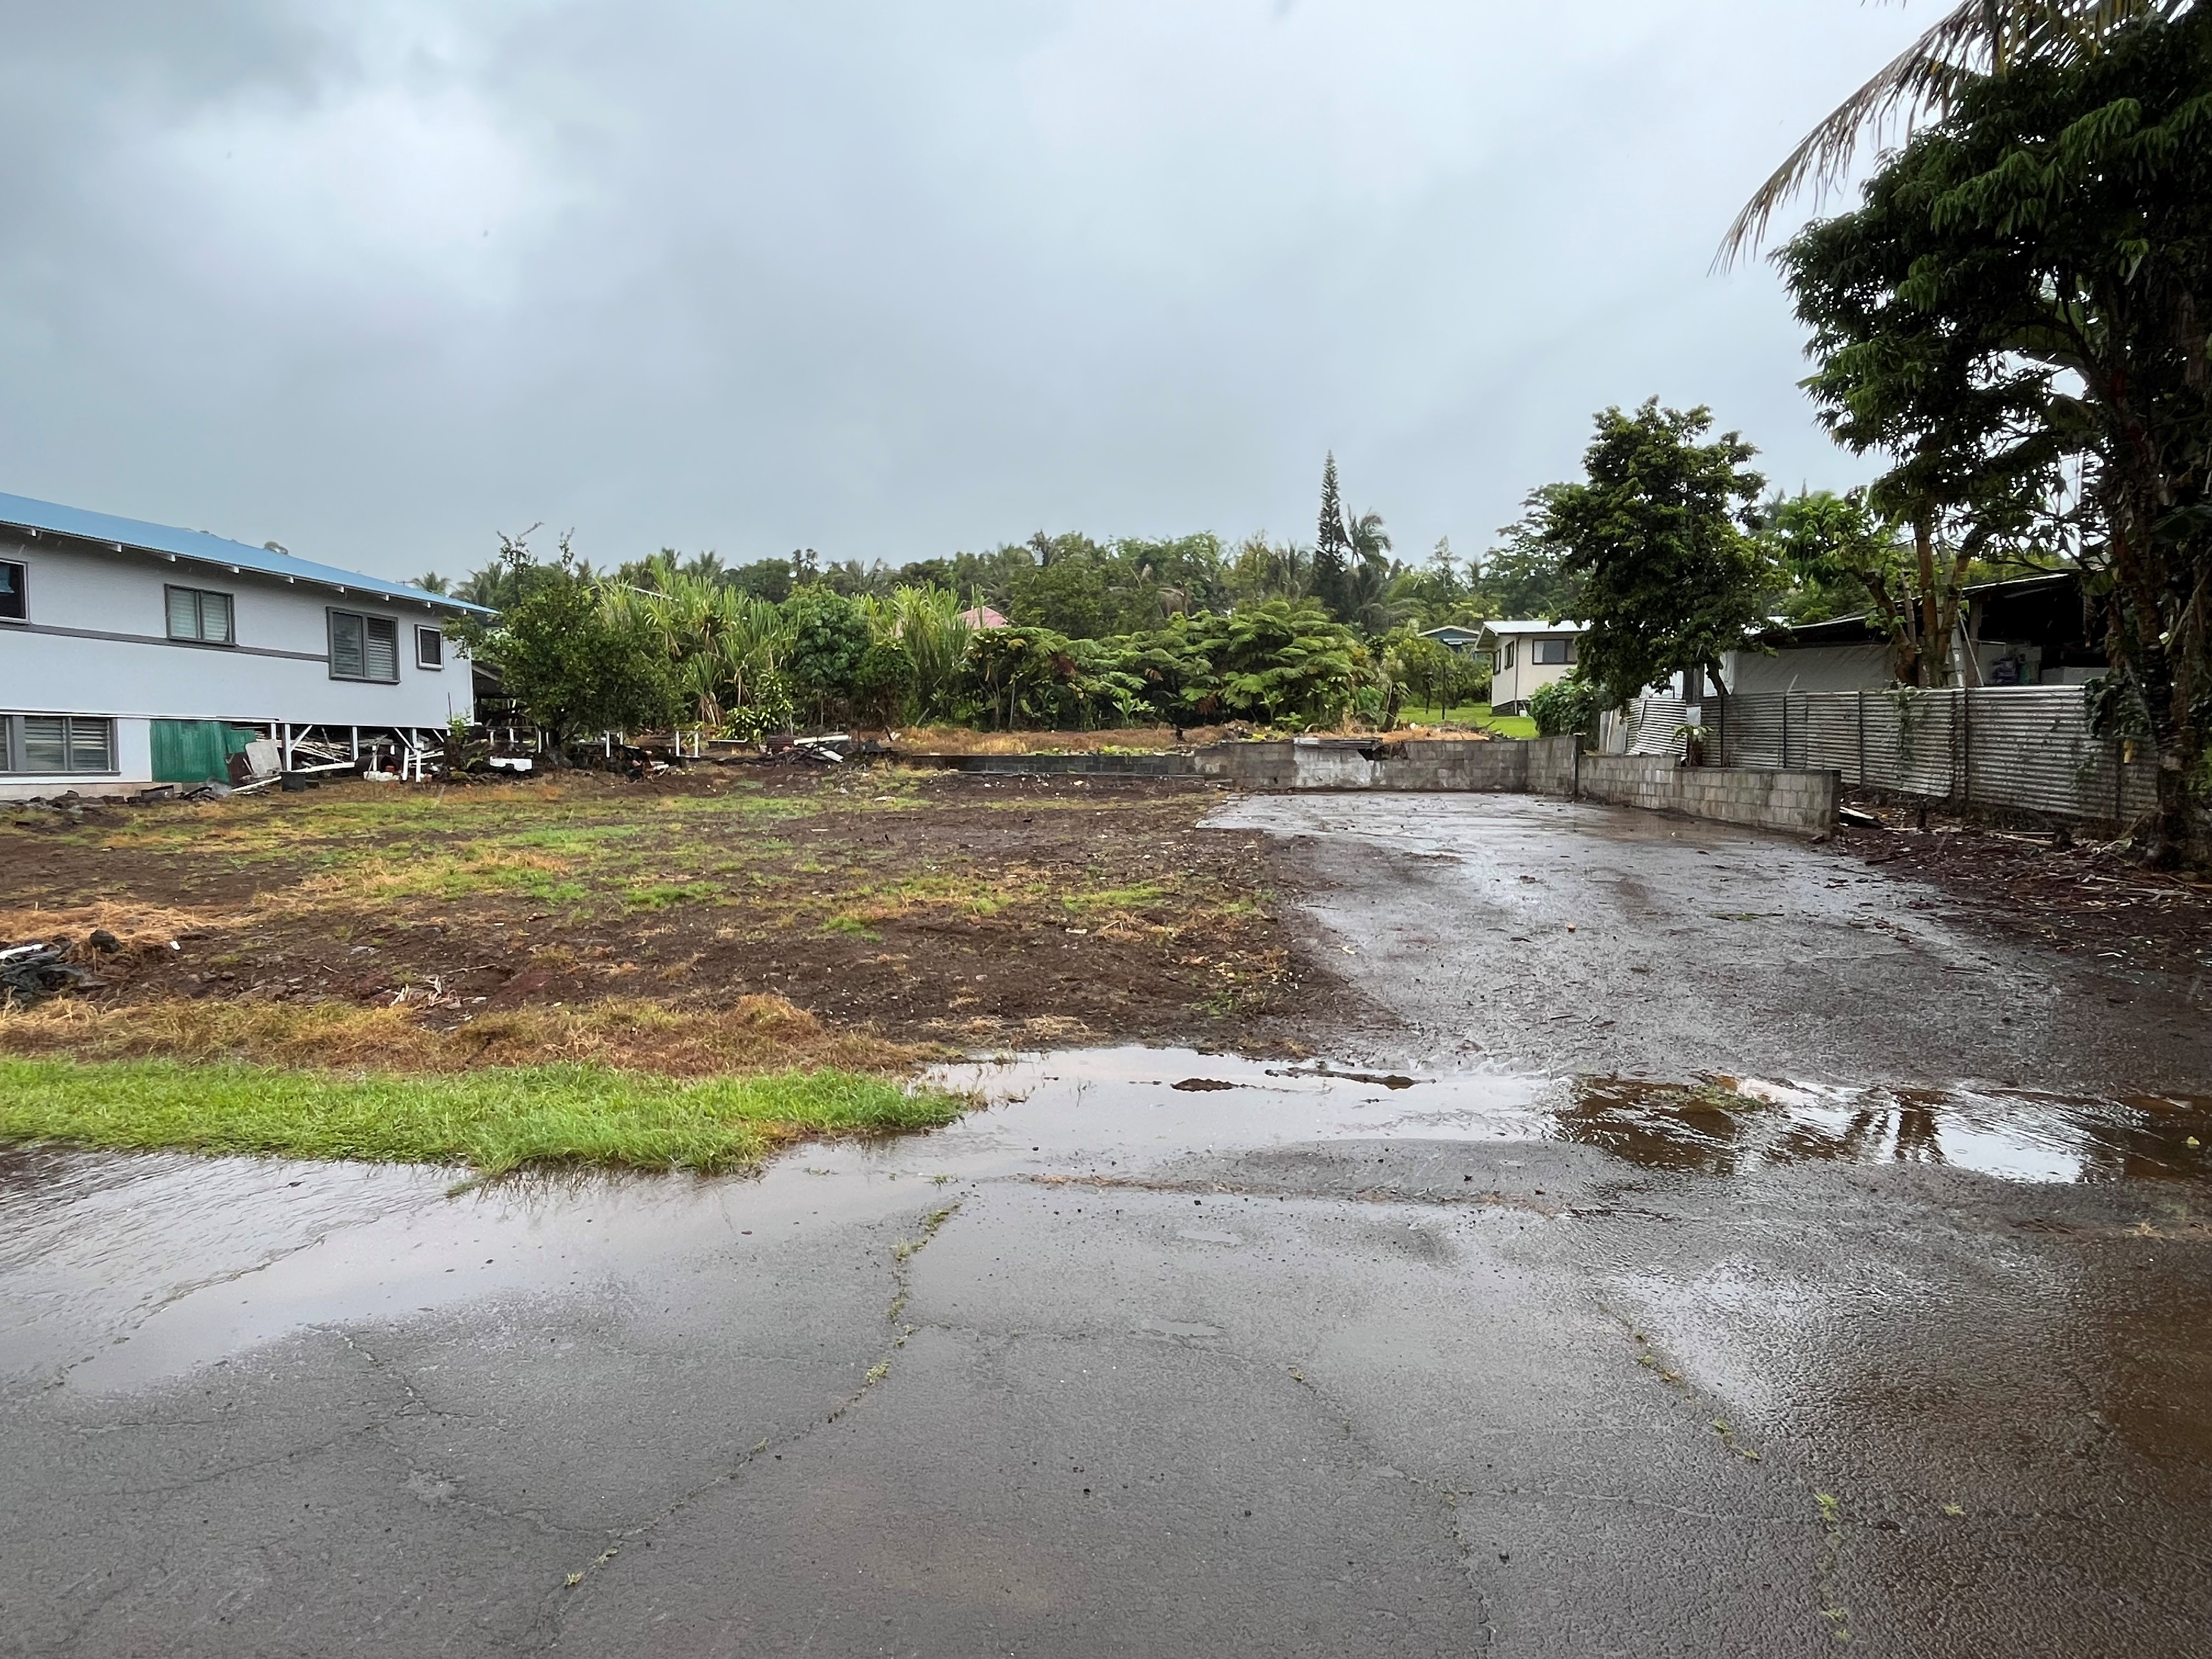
195, 751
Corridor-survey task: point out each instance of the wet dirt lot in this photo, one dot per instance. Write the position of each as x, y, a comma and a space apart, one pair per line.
1437, 1350
930, 907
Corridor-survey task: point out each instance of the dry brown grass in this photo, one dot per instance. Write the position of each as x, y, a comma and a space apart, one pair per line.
752, 1034
1418, 732
140, 927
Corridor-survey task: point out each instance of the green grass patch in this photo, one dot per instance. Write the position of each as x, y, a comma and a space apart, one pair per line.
665, 895
579, 838
494, 1120
1472, 713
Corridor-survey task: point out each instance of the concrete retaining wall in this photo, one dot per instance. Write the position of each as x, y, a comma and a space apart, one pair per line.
1795, 803
1515, 767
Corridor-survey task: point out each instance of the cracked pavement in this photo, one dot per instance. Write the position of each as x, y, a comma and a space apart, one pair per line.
1306, 1364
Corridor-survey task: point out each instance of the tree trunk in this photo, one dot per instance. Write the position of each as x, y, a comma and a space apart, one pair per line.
2161, 659
2181, 739
1932, 637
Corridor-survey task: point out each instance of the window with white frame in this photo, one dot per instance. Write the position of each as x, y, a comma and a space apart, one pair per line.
15, 592
51, 744
200, 616
429, 647
364, 648
1550, 653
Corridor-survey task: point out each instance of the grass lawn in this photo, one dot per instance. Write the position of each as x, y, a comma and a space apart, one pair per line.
1473, 713
494, 1120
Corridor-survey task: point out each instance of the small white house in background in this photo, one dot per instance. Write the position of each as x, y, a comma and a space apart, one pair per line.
134, 653
1525, 656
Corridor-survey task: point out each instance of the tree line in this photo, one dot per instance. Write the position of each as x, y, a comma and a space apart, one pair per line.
665, 645
1094, 588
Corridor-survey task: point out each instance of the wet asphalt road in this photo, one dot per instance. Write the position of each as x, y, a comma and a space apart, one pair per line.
1304, 1364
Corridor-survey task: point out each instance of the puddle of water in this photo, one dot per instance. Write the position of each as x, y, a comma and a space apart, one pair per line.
119, 1271
1730, 1125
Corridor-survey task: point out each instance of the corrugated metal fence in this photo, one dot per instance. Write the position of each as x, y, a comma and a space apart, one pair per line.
2029, 747
1653, 726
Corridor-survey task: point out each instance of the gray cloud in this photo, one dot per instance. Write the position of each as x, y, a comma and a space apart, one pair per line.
878, 278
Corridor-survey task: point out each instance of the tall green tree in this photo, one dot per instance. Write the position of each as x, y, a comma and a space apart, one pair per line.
1840, 557
1332, 547
1670, 580
2027, 286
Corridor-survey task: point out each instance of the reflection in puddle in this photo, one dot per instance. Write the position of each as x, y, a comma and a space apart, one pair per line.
1724, 1126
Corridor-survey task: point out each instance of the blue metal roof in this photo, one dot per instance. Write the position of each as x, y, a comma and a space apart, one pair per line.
23, 512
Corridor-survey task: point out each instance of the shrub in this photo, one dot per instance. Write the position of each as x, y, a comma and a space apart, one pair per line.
575, 666
1567, 706
767, 706
884, 682
829, 636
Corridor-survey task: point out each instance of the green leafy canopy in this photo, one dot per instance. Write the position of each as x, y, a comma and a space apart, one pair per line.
1668, 579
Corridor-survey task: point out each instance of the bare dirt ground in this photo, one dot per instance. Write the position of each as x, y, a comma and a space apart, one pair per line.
926, 906
2083, 900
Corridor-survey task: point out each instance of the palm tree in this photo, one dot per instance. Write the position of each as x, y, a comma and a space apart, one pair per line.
1977, 37
1367, 539
705, 568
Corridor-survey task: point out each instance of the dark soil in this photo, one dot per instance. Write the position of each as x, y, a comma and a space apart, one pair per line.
2082, 900
1096, 909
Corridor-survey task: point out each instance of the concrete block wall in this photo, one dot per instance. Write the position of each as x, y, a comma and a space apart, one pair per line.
1794, 803
1551, 765
1338, 764
1440, 764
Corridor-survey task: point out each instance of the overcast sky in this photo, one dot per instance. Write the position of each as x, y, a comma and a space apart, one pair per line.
380, 280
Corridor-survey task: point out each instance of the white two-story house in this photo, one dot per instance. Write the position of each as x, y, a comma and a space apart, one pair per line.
133, 654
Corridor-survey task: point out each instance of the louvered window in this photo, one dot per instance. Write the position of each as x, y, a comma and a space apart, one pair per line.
364, 648
197, 614
56, 743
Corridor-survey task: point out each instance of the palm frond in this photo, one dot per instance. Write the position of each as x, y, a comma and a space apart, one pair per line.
1977, 37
